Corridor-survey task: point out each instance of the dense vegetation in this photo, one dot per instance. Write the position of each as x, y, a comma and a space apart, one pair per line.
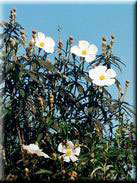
54, 103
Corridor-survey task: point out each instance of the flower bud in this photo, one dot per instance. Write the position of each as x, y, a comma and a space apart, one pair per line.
113, 38
31, 44
60, 44
34, 32
41, 101
127, 83
51, 101
71, 40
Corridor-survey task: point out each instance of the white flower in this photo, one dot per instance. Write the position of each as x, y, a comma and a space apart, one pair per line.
34, 149
102, 76
70, 151
46, 43
84, 49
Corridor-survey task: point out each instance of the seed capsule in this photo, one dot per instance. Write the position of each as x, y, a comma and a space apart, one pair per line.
71, 40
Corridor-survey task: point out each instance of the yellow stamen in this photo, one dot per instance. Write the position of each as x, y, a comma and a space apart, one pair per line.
41, 44
84, 52
102, 77
69, 152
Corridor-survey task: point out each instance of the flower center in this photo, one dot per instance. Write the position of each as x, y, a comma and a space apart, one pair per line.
84, 52
69, 152
102, 77
42, 44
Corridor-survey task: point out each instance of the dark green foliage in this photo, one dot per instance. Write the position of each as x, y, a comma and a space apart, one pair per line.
81, 112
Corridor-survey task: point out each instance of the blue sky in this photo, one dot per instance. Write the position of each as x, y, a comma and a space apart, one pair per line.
86, 22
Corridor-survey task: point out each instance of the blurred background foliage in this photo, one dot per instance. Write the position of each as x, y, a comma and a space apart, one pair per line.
47, 102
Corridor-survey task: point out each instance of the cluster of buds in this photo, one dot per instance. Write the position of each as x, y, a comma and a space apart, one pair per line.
29, 49
34, 32
104, 44
107, 49
126, 86
127, 83
41, 101
23, 37
60, 46
71, 40
112, 40
13, 15
73, 175
51, 101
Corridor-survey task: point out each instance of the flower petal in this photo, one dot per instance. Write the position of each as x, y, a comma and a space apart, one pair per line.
83, 45
92, 49
66, 158
93, 74
33, 147
40, 36
49, 42
75, 50
110, 82
49, 49
100, 69
100, 82
73, 158
90, 57
70, 144
61, 148
110, 73
76, 151
39, 153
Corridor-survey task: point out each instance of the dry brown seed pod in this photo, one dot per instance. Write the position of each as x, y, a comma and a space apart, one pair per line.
71, 39
31, 43
127, 81
104, 38
14, 9
34, 31
41, 101
61, 45
112, 37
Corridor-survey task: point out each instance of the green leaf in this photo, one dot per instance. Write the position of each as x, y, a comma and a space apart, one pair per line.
40, 136
22, 93
80, 88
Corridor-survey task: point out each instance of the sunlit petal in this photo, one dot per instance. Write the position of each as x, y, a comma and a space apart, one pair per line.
99, 82
92, 49
61, 148
40, 36
49, 42
66, 158
111, 73
73, 158
76, 151
90, 57
83, 45
49, 49
110, 82
70, 144
75, 50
